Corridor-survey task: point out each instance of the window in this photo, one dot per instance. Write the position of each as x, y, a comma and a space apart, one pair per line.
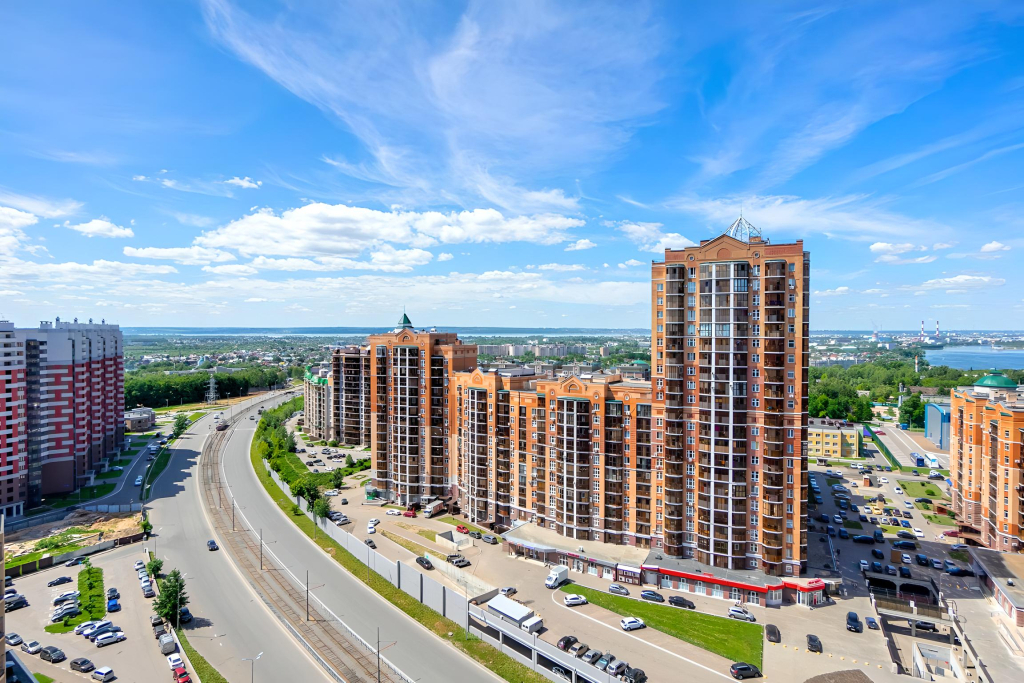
661, 287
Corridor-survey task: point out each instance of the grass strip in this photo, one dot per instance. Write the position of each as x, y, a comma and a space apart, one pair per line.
428, 534
448, 519
154, 470
850, 524
737, 641
960, 555
109, 475
941, 520
206, 672
411, 546
42, 678
195, 416
93, 601
502, 665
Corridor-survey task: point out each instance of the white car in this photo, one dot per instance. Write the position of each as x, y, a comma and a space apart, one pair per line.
907, 504
371, 529
138, 480
883, 480
83, 626
932, 473
898, 491
331, 492
906, 558
864, 566
394, 513
631, 623
31, 647
174, 661
139, 564
918, 533
374, 521
573, 600
109, 638
143, 574
958, 546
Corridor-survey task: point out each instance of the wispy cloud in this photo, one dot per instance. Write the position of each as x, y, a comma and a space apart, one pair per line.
473, 111
947, 172
650, 237
580, 245
100, 227
40, 206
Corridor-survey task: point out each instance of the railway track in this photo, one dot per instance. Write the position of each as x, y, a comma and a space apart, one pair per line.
344, 657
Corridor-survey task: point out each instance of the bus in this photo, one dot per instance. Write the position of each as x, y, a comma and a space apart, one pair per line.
933, 462
917, 459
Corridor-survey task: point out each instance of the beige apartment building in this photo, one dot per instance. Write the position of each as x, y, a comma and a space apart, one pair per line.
829, 439
986, 450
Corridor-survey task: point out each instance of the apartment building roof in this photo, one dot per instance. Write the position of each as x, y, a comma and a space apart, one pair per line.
996, 380
1004, 569
532, 536
745, 579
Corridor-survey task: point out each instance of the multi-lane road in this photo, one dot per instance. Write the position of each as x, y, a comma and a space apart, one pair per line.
232, 622
901, 444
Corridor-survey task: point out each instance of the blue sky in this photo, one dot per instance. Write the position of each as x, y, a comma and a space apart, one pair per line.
326, 163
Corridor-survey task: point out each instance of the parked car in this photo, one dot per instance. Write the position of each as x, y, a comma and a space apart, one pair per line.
52, 654
103, 674
31, 647
578, 649
864, 566
853, 623
409, 513
604, 660
59, 581
875, 552
905, 573
462, 529
741, 670
926, 626
872, 623
771, 632
113, 605
618, 589
680, 601
591, 656
561, 673
371, 529
424, 562
370, 543
653, 596
572, 600
394, 513
112, 593
462, 562
741, 613
492, 540
174, 661
631, 623
82, 665
813, 643
109, 638
936, 564
475, 534
184, 615
13, 639
616, 668
633, 675
566, 642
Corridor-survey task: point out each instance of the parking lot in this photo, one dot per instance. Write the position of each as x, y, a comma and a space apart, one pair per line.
134, 659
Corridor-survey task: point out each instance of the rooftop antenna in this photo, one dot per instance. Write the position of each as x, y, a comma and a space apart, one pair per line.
742, 230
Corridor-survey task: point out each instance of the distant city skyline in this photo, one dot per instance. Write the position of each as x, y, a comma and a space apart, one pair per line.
214, 163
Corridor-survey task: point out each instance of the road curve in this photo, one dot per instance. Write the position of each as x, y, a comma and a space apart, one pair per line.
411, 647
231, 621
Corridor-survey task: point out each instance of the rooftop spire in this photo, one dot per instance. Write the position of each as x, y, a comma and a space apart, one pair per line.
742, 230
404, 322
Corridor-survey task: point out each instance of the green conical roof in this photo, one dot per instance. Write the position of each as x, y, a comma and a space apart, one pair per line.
405, 322
996, 380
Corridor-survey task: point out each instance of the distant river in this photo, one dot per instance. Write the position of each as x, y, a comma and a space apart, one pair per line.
976, 357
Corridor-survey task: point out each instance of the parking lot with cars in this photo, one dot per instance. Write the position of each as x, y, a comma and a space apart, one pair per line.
132, 655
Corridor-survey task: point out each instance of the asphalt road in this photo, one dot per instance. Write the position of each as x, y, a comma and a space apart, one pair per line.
231, 622
415, 650
901, 445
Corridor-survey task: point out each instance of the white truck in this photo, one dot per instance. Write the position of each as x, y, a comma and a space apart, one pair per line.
557, 577
434, 508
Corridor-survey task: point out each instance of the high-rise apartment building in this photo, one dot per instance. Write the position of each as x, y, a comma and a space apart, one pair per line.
350, 396
316, 417
729, 367
986, 451
409, 437
61, 407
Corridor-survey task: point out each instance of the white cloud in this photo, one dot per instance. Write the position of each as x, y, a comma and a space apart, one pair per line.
580, 245
192, 219
963, 282
40, 206
255, 300
101, 227
889, 253
650, 237
631, 263
231, 269
989, 251
942, 245
993, 247
246, 182
188, 256
887, 248
12, 234
321, 230
838, 291
10, 292
385, 258
560, 267
444, 256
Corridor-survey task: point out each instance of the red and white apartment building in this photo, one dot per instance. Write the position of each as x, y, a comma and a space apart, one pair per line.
61, 408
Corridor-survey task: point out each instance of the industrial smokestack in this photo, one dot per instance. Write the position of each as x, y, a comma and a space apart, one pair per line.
936, 328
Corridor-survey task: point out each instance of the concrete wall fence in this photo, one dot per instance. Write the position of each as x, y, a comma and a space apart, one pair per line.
523, 647
47, 562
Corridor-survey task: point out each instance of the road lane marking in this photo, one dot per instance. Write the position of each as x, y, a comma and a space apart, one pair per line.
630, 634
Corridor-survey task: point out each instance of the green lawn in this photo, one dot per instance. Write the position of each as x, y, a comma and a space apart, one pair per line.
448, 519
961, 555
738, 641
202, 667
890, 529
31, 558
851, 524
411, 546
86, 494
93, 600
832, 482
195, 416
154, 470
941, 520
109, 475
42, 678
428, 534
922, 489
502, 665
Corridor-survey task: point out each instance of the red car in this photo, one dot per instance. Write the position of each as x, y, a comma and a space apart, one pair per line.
409, 513
462, 529
880, 432
179, 675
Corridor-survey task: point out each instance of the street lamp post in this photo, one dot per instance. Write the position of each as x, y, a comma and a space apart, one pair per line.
252, 667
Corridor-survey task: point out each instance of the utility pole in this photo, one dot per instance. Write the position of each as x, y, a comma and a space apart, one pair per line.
232, 513
378, 654
307, 595
261, 548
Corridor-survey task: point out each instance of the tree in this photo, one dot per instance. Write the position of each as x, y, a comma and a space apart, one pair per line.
289, 443
180, 425
862, 410
338, 478
154, 566
321, 509
349, 462
172, 598
912, 411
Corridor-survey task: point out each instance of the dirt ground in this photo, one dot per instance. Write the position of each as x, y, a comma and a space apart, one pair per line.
113, 526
